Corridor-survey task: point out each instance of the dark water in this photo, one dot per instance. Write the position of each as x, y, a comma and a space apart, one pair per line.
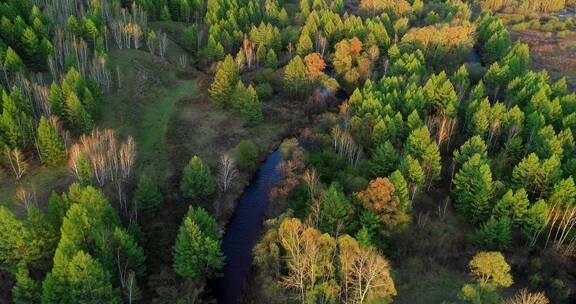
244, 229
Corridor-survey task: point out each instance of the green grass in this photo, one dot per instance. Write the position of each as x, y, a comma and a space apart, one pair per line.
430, 287
142, 107
39, 180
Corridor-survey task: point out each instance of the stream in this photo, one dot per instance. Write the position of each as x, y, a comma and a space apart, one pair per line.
244, 229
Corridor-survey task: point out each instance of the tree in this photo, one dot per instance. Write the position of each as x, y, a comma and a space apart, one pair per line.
496, 232
337, 211
50, 144
26, 290
250, 109
491, 272
13, 63
226, 172
16, 242
147, 197
364, 274
473, 189
79, 118
315, 66
84, 280
380, 197
513, 205
227, 75
271, 60
246, 154
384, 160
526, 297
304, 45
295, 80
197, 252
197, 181
491, 269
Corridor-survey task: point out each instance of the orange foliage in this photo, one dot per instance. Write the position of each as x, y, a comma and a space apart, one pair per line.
315, 66
380, 198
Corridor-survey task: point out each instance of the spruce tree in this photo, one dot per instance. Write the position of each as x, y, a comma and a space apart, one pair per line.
384, 160
147, 197
26, 290
50, 144
197, 252
79, 118
197, 181
473, 189
251, 110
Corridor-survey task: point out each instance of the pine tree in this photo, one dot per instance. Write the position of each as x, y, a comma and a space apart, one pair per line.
384, 160
305, 44
225, 79
337, 211
50, 144
197, 181
271, 60
26, 290
57, 101
251, 110
295, 80
147, 198
79, 118
197, 252
473, 189
13, 63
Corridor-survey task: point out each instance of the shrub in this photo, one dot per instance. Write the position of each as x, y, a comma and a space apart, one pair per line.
264, 91
246, 154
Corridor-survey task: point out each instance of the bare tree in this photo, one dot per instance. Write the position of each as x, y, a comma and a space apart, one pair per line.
17, 162
26, 196
227, 172
526, 297
163, 44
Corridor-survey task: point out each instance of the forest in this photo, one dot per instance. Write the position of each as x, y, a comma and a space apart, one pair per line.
288, 151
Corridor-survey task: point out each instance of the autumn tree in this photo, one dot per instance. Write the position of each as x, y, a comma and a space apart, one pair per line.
315, 66
490, 272
227, 75
380, 197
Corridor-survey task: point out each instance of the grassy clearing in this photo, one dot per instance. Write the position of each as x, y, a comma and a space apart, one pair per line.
40, 181
144, 104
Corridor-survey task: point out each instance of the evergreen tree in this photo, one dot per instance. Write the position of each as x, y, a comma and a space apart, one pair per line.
26, 290
79, 118
295, 80
337, 211
251, 110
246, 154
197, 181
147, 198
50, 144
473, 189
57, 101
13, 63
225, 79
384, 160
197, 252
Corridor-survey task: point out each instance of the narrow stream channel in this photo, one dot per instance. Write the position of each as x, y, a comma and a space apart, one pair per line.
244, 230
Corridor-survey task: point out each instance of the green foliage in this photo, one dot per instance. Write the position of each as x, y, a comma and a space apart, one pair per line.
227, 75
81, 280
337, 211
295, 80
50, 144
246, 154
189, 39
495, 233
197, 181
197, 252
147, 197
473, 189
26, 290
384, 160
